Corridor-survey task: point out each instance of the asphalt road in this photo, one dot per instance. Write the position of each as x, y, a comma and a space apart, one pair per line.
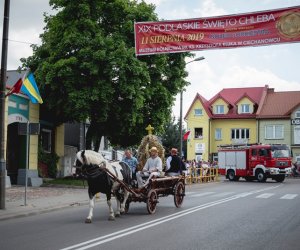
225, 215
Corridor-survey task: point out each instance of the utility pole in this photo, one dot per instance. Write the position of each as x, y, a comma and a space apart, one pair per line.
2, 102
180, 122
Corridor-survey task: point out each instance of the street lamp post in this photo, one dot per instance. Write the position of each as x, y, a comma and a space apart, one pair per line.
181, 94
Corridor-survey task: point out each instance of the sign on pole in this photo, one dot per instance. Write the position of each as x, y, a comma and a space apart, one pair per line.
224, 32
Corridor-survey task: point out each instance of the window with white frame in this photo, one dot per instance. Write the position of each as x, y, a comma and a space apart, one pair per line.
274, 132
245, 108
198, 112
46, 140
240, 133
297, 114
218, 134
219, 109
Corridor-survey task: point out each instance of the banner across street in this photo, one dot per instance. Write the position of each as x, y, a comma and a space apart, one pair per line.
223, 32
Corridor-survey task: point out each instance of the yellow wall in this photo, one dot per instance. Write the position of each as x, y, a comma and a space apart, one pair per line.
226, 125
245, 100
220, 102
59, 144
33, 148
209, 126
197, 122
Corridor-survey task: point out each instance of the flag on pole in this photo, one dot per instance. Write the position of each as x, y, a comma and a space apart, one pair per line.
29, 87
186, 135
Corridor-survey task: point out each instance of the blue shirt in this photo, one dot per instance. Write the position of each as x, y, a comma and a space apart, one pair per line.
132, 163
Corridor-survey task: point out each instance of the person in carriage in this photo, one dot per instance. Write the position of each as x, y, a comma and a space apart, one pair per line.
131, 161
174, 164
153, 167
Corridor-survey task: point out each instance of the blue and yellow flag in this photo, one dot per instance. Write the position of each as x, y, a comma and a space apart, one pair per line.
30, 89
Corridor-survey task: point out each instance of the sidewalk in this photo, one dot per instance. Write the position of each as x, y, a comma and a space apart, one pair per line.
40, 200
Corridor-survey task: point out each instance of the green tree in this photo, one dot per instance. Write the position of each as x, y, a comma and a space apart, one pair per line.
171, 136
87, 69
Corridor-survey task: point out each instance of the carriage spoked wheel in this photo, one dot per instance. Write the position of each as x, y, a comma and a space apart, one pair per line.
152, 200
179, 191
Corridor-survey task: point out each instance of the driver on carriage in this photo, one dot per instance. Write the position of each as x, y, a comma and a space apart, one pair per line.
153, 167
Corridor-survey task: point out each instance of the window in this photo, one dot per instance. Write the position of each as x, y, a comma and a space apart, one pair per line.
274, 132
219, 109
198, 133
198, 112
46, 140
246, 108
297, 114
218, 134
240, 133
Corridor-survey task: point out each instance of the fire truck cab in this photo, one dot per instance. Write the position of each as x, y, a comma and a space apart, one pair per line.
255, 162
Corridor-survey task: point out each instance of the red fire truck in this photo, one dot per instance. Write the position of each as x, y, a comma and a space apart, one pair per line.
255, 162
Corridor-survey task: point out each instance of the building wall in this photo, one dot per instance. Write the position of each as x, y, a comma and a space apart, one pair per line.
245, 100
286, 132
197, 122
220, 102
226, 125
33, 148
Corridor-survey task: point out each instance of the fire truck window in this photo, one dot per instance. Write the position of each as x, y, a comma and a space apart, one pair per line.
262, 152
254, 152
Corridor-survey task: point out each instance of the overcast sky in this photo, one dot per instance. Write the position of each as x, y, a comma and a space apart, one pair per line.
276, 66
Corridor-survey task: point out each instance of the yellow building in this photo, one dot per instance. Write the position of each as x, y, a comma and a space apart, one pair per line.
227, 118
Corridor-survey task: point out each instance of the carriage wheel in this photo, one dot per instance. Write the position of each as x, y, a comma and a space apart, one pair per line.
151, 201
179, 191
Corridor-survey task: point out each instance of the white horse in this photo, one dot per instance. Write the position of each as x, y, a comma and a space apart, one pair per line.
98, 172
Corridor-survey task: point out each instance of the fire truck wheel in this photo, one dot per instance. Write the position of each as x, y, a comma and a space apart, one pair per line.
260, 176
231, 175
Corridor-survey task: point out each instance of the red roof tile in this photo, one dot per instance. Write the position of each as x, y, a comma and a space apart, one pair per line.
279, 104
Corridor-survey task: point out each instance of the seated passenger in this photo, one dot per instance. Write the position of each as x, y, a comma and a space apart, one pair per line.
153, 167
175, 165
131, 161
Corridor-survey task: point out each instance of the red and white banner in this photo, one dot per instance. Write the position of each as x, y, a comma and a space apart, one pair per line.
223, 32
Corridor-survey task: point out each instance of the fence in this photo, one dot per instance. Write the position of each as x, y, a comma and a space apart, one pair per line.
201, 175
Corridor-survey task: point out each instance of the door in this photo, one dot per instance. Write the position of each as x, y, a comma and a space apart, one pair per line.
15, 152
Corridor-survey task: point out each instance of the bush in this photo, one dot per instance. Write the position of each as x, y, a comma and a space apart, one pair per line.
50, 160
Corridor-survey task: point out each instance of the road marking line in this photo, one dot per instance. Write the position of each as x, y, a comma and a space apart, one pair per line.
222, 194
119, 234
202, 194
264, 196
289, 196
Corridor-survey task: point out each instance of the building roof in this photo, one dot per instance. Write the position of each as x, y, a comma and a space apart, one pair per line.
232, 96
13, 76
279, 104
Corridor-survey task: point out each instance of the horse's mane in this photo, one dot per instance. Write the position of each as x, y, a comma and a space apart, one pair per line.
90, 157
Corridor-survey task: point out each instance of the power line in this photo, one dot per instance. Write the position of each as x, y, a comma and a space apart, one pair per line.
16, 41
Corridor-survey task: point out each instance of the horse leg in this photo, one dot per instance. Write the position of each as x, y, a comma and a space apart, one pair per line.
92, 204
118, 212
126, 194
110, 209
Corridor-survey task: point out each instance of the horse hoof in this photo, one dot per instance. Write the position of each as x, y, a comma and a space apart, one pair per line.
122, 212
88, 221
118, 215
111, 218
